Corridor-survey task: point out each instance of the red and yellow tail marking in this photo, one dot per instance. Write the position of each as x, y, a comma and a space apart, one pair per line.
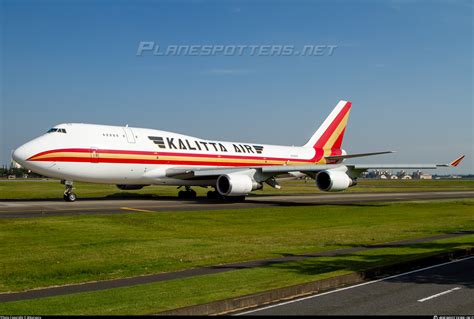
457, 161
330, 141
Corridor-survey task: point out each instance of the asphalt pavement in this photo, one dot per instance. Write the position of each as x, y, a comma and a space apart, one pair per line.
445, 289
43, 208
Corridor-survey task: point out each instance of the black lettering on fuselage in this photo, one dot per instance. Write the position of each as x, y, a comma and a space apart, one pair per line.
189, 146
213, 144
248, 148
236, 149
170, 143
205, 145
223, 149
197, 144
181, 145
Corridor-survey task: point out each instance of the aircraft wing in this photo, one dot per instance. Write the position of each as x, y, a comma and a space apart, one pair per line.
406, 166
265, 172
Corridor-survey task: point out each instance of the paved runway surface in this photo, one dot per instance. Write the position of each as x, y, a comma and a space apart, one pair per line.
446, 289
35, 208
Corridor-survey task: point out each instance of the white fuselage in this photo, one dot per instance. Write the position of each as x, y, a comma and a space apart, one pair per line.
138, 156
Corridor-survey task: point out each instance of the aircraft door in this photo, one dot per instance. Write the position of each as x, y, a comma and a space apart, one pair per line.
129, 134
94, 155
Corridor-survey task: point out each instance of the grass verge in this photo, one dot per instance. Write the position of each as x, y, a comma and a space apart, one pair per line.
40, 252
161, 296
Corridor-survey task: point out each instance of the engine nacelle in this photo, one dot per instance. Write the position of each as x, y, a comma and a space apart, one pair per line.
236, 185
333, 181
125, 187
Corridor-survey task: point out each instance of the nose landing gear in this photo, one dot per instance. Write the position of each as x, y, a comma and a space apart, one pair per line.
69, 195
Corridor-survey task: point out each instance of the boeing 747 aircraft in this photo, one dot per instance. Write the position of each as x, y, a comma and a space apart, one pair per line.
133, 158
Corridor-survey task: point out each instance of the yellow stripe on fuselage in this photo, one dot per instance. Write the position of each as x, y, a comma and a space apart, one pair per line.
165, 158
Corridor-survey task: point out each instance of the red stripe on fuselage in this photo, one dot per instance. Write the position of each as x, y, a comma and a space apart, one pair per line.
318, 154
150, 161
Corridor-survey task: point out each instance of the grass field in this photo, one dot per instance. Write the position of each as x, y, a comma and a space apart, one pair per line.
39, 252
27, 189
42, 252
161, 296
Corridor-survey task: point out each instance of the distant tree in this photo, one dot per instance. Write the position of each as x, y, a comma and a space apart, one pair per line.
3, 171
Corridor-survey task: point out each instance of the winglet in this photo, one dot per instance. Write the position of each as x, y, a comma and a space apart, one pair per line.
454, 163
457, 161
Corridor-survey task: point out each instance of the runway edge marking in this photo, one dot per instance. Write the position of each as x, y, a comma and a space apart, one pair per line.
439, 294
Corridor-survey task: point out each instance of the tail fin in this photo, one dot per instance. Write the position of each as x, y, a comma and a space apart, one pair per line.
457, 161
330, 134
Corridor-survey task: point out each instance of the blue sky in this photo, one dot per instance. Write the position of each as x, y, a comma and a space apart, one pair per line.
405, 64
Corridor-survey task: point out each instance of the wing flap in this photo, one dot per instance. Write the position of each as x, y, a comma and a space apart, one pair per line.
193, 172
282, 169
198, 172
341, 157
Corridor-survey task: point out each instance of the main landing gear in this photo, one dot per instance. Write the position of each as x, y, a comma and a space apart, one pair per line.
69, 195
215, 195
187, 194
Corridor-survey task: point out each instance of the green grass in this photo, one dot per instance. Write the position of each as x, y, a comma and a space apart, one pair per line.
24, 189
41, 252
161, 296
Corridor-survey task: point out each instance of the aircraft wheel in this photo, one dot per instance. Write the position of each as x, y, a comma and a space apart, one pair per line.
70, 197
235, 198
192, 194
213, 195
181, 194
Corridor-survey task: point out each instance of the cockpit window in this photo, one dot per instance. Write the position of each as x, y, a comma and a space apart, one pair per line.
59, 130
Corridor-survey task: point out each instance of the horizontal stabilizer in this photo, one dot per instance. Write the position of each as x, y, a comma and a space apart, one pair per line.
341, 157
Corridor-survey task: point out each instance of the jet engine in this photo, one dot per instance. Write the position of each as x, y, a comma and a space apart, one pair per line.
333, 181
236, 185
130, 187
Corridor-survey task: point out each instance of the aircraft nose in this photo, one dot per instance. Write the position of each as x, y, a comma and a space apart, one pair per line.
21, 154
